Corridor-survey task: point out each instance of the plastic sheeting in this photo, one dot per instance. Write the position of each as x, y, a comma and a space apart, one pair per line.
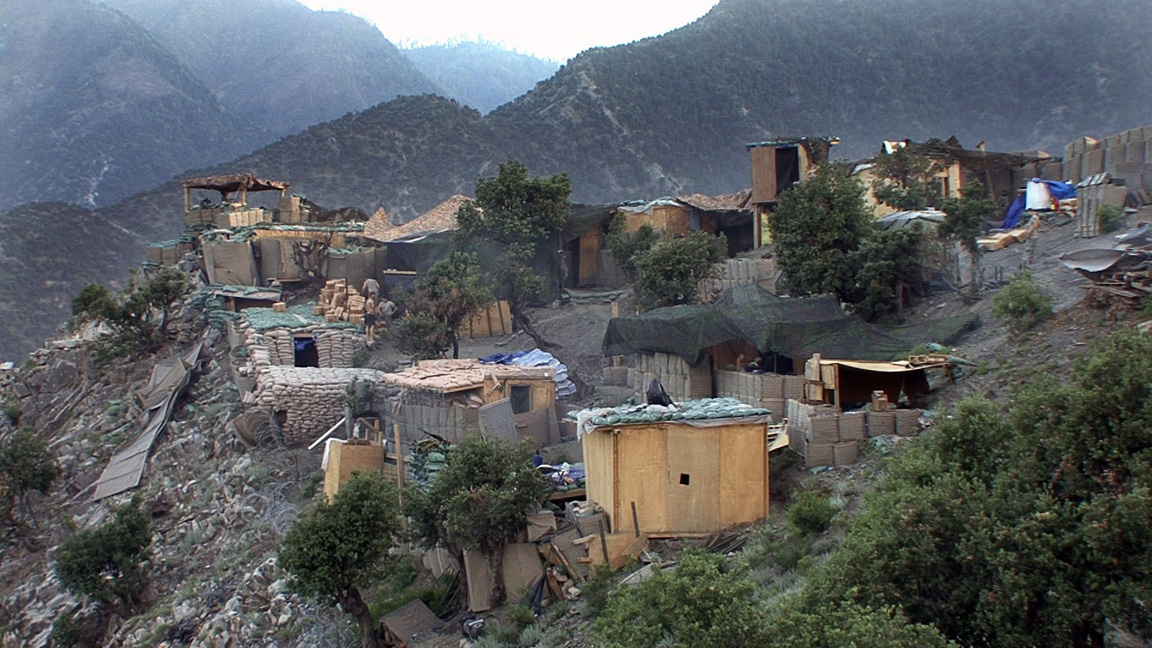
536, 358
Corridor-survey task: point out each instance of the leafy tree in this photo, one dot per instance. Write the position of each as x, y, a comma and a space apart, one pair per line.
963, 218
139, 315
338, 548
671, 271
103, 564
479, 501
888, 262
817, 226
520, 216
446, 297
703, 601
1019, 528
26, 465
903, 179
1022, 303
627, 248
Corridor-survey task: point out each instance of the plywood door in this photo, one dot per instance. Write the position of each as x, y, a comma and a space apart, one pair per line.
693, 479
641, 476
743, 476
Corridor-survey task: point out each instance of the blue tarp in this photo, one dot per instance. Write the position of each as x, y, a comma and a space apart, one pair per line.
536, 358
1058, 190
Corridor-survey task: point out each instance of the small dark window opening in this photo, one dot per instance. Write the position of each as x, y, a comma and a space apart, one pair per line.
787, 167
305, 353
521, 398
685, 479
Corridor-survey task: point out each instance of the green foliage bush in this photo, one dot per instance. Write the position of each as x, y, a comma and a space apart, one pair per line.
133, 313
26, 465
627, 248
670, 272
1110, 217
811, 513
1023, 303
104, 564
1017, 525
703, 601
480, 500
340, 547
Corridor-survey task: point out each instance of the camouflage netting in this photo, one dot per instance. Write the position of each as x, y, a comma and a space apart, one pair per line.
794, 327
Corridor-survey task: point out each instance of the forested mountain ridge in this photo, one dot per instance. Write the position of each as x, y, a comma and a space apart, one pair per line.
671, 114
480, 75
93, 109
277, 63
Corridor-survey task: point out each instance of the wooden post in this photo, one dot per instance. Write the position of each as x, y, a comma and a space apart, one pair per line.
604, 543
635, 520
399, 461
616, 360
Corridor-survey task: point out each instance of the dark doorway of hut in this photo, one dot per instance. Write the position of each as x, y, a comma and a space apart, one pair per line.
304, 352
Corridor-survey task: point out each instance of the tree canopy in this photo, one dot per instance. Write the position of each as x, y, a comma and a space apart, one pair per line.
340, 547
519, 217
451, 292
1023, 527
104, 564
26, 465
816, 227
670, 272
479, 501
903, 179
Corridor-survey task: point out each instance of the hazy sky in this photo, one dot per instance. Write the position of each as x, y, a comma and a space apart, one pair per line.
545, 28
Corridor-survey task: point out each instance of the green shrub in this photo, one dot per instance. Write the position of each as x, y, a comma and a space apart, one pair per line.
1110, 217
704, 601
64, 631
812, 513
1023, 303
104, 564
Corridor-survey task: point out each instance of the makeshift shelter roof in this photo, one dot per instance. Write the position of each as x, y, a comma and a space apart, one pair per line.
739, 201
788, 326
298, 316
903, 219
227, 184
584, 217
440, 218
973, 160
448, 376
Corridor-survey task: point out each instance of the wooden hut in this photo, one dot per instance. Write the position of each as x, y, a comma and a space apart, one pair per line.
684, 477
444, 397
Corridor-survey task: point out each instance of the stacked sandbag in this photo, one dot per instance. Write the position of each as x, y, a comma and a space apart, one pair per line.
760, 389
681, 380
307, 400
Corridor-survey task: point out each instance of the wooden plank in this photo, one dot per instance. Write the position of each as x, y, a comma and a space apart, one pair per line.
743, 456
598, 467
693, 480
641, 473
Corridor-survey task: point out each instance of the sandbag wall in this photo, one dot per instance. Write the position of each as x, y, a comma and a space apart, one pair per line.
741, 272
825, 436
770, 391
305, 400
335, 347
681, 380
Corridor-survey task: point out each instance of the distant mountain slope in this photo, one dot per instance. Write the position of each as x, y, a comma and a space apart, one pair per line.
92, 109
480, 75
278, 63
48, 251
670, 114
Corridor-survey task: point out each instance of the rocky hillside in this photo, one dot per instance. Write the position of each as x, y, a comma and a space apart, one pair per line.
480, 75
277, 63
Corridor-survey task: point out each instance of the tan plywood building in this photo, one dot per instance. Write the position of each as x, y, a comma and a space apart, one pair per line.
685, 477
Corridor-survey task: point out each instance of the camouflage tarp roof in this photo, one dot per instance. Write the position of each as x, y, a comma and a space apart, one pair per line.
227, 184
794, 327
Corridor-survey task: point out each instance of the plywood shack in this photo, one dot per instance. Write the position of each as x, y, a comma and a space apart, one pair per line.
684, 477
443, 397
